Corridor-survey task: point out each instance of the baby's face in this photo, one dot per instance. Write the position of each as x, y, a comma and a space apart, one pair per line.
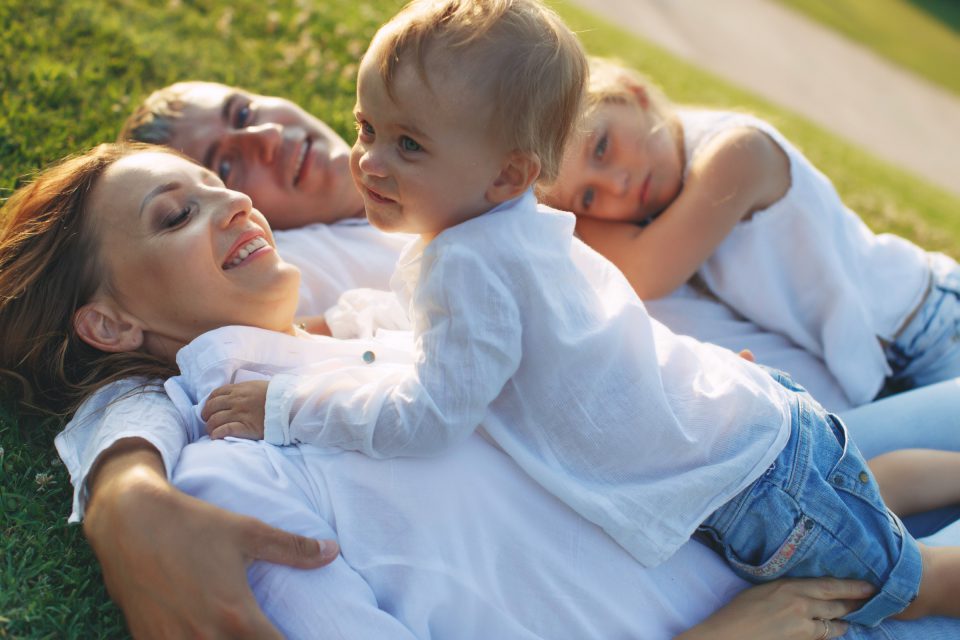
624, 164
423, 160
184, 254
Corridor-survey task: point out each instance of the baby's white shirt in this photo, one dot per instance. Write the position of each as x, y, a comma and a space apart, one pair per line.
522, 328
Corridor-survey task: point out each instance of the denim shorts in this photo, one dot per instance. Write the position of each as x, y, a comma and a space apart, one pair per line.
815, 512
927, 349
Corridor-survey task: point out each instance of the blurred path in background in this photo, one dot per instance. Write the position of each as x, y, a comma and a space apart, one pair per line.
792, 61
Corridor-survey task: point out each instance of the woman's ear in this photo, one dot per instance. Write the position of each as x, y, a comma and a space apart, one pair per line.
106, 328
520, 170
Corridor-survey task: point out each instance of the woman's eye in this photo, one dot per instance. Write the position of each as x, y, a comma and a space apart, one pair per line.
601, 149
587, 200
223, 169
241, 118
178, 218
409, 144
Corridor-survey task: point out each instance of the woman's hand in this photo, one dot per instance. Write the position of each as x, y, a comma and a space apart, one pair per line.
177, 565
789, 609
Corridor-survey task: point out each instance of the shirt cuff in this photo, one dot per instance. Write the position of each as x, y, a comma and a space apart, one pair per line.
281, 393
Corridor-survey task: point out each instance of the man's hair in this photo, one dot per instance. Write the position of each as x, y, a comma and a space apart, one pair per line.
154, 119
518, 54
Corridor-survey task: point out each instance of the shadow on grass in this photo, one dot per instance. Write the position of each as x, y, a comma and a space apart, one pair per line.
946, 11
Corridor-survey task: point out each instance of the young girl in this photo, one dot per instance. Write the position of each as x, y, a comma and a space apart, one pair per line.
666, 194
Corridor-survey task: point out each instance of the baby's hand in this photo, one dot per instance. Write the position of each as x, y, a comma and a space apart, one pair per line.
236, 410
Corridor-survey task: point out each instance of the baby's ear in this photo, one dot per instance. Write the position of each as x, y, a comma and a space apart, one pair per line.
520, 170
107, 328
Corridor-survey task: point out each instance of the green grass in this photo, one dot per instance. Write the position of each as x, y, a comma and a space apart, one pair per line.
922, 36
71, 70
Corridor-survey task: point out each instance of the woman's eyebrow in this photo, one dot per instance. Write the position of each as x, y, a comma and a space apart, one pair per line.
156, 191
225, 110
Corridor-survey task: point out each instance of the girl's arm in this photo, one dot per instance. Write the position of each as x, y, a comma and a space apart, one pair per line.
147, 535
741, 171
917, 480
784, 610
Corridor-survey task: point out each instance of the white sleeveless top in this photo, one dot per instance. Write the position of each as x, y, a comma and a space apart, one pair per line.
809, 268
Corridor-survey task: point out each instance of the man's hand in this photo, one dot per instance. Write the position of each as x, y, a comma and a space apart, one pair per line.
177, 565
236, 410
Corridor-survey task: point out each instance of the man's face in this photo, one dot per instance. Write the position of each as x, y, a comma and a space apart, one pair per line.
294, 167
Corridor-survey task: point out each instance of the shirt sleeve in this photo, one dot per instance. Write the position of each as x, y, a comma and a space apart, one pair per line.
468, 346
360, 313
124, 409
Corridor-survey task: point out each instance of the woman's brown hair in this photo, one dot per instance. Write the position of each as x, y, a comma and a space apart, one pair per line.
49, 268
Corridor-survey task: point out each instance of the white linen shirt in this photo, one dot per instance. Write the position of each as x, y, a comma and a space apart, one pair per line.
524, 329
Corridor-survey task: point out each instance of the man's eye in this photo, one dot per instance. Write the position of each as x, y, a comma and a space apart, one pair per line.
587, 200
223, 169
409, 144
601, 149
241, 118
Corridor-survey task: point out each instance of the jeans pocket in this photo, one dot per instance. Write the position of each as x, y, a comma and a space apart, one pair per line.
769, 535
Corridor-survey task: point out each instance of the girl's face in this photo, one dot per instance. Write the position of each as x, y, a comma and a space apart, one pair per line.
183, 254
626, 164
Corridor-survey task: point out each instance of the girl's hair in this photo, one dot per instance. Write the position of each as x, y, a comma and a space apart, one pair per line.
49, 267
611, 81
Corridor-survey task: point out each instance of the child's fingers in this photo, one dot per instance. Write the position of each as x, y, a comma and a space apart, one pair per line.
221, 418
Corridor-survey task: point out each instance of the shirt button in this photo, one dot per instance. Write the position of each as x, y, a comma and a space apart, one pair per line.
369, 357
864, 478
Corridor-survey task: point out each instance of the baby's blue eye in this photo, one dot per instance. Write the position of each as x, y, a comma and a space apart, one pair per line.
587, 200
601, 149
409, 144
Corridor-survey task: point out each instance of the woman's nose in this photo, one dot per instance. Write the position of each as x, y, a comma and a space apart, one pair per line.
260, 141
236, 207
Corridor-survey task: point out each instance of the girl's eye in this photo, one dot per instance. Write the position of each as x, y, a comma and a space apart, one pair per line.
587, 200
178, 218
241, 118
223, 169
409, 144
601, 149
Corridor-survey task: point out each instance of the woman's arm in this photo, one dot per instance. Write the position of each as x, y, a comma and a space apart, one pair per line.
154, 546
741, 171
785, 610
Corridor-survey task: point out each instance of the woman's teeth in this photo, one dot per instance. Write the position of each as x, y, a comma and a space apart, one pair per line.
245, 250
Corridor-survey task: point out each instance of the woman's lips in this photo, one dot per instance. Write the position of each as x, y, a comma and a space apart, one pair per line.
304, 160
645, 189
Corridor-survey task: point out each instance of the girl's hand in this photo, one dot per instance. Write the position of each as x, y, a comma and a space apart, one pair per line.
236, 410
788, 609
176, 566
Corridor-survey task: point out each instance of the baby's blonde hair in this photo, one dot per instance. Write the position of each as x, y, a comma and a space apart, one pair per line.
518, 53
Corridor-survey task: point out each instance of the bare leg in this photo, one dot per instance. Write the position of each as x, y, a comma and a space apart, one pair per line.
939, 585
917, 480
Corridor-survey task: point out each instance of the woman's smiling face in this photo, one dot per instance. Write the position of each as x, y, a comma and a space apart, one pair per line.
183, 254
